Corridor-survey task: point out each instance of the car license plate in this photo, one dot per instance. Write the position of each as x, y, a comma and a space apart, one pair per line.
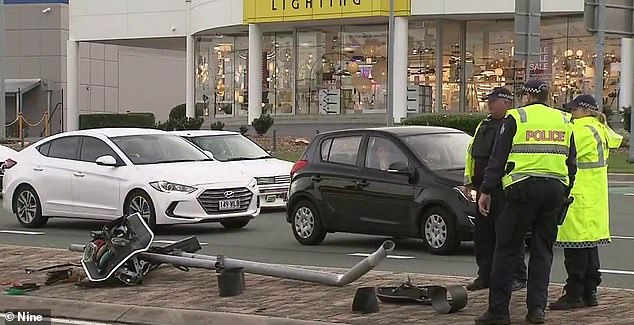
229, 205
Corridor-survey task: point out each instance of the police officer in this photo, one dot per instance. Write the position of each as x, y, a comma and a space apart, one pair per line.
478, 153
586, 225
534, 159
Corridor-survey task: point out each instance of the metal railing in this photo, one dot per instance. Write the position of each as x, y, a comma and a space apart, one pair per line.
22, 124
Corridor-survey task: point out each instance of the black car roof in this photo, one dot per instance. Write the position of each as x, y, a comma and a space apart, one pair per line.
399, 130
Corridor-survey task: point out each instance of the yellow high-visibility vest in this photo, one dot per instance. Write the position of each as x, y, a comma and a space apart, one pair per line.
587, 221
540, 145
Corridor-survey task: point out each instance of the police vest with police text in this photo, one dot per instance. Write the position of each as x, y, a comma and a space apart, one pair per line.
540, 145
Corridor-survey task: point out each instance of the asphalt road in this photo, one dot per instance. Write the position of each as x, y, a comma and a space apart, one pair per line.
268, 239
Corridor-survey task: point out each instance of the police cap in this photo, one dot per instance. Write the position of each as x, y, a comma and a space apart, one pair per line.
535, 86
499, 92
585, 101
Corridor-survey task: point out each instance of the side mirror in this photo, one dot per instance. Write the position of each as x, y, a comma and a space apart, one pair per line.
401, 168
107, 160
209, 153
398, 168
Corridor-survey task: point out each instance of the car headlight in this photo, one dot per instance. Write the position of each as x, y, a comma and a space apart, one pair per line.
168, 187
471, 196
253, 184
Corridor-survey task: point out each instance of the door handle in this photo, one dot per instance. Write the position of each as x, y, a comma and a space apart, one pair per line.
362, 183
316, 178
79, 174
38, 169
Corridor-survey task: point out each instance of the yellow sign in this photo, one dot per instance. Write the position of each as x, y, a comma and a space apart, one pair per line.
267, 11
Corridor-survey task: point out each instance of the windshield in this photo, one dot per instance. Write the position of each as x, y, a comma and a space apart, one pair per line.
158, 148
444, 151
230, 147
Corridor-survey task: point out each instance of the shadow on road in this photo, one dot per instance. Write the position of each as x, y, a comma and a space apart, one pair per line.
179, 230
404, 246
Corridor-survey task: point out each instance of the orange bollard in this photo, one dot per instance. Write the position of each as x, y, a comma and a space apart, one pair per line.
46, 126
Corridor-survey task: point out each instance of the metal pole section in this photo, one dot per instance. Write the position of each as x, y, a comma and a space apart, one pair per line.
629, 72
275, 270
599, 63
390, 69
72, 84
527, 71
3, 108
255, 73
190, 110
439, 54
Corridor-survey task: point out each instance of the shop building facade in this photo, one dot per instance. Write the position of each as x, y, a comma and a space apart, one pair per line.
328, 59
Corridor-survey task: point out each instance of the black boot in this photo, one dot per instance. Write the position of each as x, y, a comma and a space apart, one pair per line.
536, 316
591, 299
567, 301
489, 319
478, 284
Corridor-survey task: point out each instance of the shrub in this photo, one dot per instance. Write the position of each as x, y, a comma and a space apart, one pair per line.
262, 124
464, 122
179, 111
138, 120
181, 124
218, 125
244, 130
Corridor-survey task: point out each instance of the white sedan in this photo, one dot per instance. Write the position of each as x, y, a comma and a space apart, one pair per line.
5, 153
107, 173
238, 151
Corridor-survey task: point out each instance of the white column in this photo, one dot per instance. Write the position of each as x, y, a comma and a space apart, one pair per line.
255, 72
401, 33
190, 108
627, 72
72, 85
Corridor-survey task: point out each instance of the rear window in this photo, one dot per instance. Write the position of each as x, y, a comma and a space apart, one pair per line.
43, 149
64, 148
342, 150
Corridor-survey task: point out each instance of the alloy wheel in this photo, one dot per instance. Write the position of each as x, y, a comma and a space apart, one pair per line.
436, 231
304, 222
140, 205
26, 207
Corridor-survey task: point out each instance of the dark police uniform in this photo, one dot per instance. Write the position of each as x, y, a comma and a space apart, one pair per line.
484, 232
534, 158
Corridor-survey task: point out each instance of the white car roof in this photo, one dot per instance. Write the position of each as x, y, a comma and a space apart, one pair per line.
200, 133
115, 132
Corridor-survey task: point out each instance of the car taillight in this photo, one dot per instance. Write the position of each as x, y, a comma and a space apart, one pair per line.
298, 165
9, 163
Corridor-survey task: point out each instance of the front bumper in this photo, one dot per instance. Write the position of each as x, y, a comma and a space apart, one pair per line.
274, 196
202, 206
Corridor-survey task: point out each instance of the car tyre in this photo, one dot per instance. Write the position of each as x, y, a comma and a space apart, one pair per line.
139, 201
306, 224
28, 207
438, 230
235, 224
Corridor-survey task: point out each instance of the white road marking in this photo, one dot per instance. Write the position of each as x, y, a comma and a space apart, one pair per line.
629, 194
20, 232
617, 272
396, 257
63, 321
623, 237
172, 241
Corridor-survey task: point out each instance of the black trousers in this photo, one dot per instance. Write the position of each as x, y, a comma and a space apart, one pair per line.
582, 265
536, 203
484, 240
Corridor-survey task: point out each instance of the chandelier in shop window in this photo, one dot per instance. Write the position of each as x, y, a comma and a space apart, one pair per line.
202, 72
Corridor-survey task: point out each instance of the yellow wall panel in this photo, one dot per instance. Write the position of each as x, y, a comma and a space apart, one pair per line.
263, 11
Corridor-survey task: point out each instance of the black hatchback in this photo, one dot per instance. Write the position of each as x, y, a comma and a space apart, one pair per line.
399, 181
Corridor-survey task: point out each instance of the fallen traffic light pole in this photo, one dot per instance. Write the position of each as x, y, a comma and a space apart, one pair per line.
138, 248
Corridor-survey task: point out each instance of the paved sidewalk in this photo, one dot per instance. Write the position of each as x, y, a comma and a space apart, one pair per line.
197, 291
